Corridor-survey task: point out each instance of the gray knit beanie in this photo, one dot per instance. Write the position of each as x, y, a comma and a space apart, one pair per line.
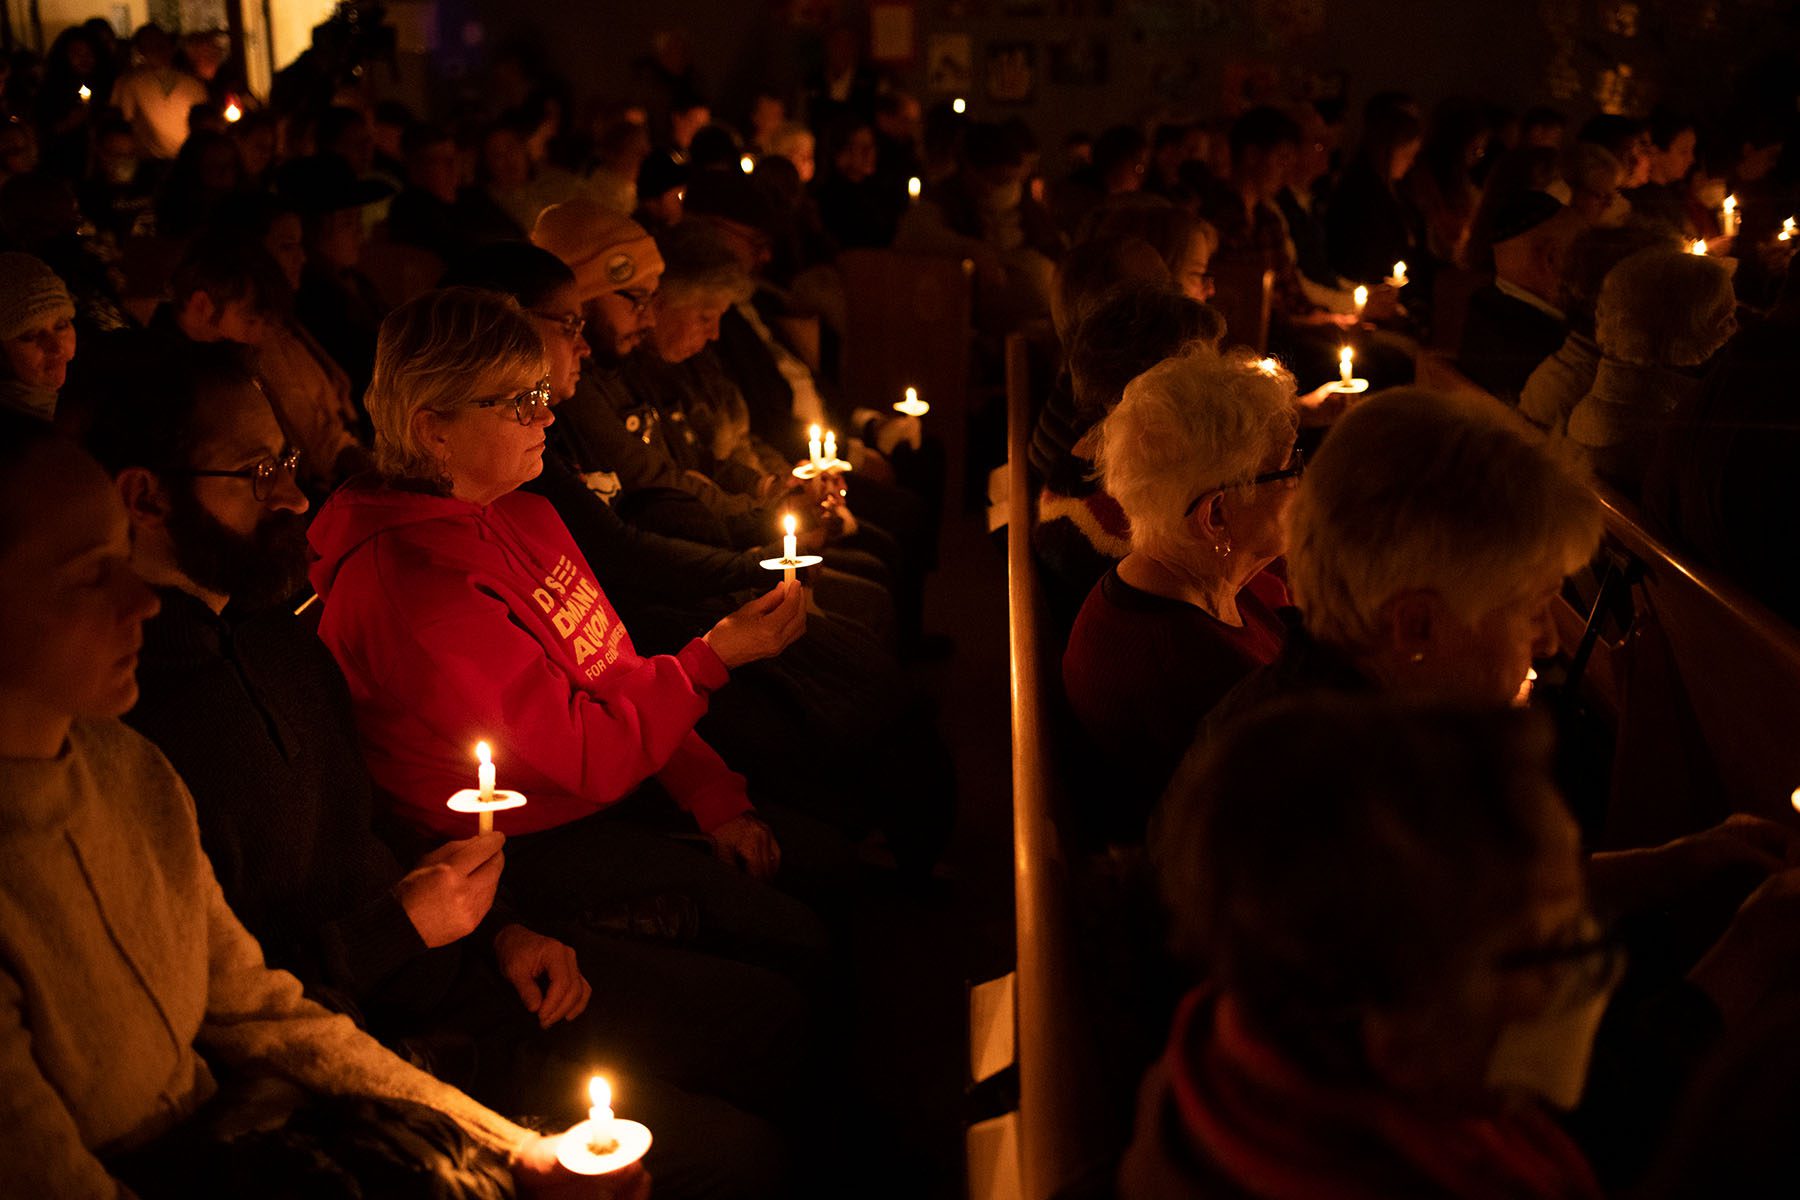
30, 294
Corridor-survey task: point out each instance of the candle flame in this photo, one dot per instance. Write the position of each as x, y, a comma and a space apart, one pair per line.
1731, 204
789, 524
1345, 356
912, 395
815, 433
1400, 270
600, 1092
748, 164
1699, 246
233, 112
1268, 366
913, 187
483, 753
958, 106
1795, 799
1362, 296
85, 92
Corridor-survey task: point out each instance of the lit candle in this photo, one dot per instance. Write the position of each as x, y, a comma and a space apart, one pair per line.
1728, 217
603, 1143
1525, 687
1362, 299
485, 774
959, 106
1795, 799
1268, 366
912, 406
1345, 357
1399, 279
913, 187
232, 111
790, 548
85, 92
1698, 246
830, 446
815, 447
1788, 230
748, 164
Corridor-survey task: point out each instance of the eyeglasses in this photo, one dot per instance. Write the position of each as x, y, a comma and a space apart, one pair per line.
639, 301
261, 475
1597, 958
1295, 469
570, 323
527, 404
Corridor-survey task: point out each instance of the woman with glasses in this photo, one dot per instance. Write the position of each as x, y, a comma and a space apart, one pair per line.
1402, 971
461, 611
1200, 456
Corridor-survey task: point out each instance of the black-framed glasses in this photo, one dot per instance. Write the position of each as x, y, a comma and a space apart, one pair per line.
527, 404
1597, 958
1296, 467
570, 323
261, 474
640, 301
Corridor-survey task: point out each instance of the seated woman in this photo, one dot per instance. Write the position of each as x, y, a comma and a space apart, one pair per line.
127, 981
1402, 967
461, 610
1662, 316
37, 335
1200, 456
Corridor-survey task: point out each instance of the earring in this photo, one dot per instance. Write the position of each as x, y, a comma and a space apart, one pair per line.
1222, 549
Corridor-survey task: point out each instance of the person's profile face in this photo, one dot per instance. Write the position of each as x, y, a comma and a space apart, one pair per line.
40, 356
1485, 662
72, 605
628, 314
554, 317
486, 451
685, 326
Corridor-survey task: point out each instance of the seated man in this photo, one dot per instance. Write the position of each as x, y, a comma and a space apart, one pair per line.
1517, 321
250, 708
127, 981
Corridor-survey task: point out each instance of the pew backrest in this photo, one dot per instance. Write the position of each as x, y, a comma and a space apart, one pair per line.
1244, 296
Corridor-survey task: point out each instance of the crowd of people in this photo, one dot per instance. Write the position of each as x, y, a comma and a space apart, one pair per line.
337, 441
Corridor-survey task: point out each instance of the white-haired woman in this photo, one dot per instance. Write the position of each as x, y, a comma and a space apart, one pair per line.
1200, 455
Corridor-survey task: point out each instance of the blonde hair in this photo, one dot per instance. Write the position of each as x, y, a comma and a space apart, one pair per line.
1188, 425
1665, 307
439, 353
1420, 490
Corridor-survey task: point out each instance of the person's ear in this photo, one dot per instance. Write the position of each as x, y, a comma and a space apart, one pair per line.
432, 432
146, 500
1207, 523
1412, 620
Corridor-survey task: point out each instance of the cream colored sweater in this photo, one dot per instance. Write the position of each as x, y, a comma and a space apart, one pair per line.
120, 963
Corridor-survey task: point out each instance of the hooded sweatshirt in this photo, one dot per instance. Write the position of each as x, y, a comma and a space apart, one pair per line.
454, 623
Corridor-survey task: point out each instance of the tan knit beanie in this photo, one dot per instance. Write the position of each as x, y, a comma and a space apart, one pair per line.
30, 294
607, 252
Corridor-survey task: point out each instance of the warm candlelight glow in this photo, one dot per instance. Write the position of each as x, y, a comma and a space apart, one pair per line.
232, 112
1788, 230
1728, 217
815, 447
831, 446
1699, 246
85, 92
911, 405
1362, 299
603, 1144
959, 106
748, 164
914, 186
1400, 272
600, 1094
1345, 357
1268, 366
1795, 799
485, 772
485, 800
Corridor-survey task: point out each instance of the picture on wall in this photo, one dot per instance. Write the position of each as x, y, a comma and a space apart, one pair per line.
949, 62
1079, 62
1009, 73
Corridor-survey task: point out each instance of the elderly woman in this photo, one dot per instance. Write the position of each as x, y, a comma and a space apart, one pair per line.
461, 610
127, 982
1662, 315
1201, 457
1403, 971
37, 334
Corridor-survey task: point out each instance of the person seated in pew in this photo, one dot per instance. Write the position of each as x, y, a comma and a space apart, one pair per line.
37, 335
1558, 383
1081, 530
251, 710
1517, 321
1184, 242
614, 439
460, 610
1402, 969
132, 993
1441, 592
1371, 223
1661, 317
1200, 455
835, 686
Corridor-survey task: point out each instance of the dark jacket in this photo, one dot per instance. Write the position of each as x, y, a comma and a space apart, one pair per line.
1503, 341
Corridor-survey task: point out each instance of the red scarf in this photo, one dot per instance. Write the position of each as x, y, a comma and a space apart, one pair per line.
1257, 1120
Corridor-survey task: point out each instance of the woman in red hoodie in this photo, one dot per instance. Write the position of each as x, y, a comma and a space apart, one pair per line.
460, 610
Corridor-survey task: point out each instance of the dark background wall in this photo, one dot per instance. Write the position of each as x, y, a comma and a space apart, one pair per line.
1198, 57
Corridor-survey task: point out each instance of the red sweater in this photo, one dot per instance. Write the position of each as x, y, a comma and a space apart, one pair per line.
455, 624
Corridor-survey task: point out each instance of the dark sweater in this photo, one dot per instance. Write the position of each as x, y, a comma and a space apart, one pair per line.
1503, 341
256, 718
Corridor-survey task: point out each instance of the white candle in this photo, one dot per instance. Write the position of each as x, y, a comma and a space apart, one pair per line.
485, 772
1788, 230
911, 405
831, 445
1698, 247
1399, 273
913, 187
600, 1100
815, 447
1362, 299
790, 548
1728, 217
1345, 356
603, 1144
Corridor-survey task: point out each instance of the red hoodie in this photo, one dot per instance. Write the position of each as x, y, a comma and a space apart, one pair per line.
455, 624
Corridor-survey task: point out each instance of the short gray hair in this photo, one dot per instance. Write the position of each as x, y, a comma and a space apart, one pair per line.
1429, 491
1188, 425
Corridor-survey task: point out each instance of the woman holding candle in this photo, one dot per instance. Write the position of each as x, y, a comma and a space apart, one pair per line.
460, 609
127, 980
1200, 455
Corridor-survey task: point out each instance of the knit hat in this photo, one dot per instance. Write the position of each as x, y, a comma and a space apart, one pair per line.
30, 294
607, 252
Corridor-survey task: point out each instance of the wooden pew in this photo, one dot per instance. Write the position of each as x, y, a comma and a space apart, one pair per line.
1245, 298
1054, 1133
